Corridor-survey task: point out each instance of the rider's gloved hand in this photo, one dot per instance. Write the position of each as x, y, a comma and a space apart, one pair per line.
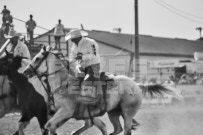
82, 69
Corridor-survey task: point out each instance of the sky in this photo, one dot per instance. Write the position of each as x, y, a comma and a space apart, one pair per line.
159, 18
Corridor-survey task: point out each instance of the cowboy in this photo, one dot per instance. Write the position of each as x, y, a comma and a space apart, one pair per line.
17, 47
85, 51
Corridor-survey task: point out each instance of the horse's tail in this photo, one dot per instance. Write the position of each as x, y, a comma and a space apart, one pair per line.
160, 90
175, 92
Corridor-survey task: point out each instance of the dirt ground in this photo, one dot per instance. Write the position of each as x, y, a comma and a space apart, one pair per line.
176, 120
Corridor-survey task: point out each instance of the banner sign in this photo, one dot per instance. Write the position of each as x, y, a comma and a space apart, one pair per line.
164, 63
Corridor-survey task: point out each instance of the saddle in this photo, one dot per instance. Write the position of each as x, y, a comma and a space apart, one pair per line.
92, 89
92, 101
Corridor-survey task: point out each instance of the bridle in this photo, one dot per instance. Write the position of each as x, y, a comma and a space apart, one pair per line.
46, 74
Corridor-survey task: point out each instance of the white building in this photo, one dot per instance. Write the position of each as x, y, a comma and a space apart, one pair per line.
158, 56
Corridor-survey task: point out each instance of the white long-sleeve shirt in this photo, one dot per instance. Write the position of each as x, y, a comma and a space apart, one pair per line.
21, 50
89, 49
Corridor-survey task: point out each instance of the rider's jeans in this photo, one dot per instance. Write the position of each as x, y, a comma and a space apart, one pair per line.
93, 71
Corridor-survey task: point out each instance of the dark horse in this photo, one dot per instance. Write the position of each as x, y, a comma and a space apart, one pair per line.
31, 103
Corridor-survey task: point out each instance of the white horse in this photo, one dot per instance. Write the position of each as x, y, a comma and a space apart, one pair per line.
123, 99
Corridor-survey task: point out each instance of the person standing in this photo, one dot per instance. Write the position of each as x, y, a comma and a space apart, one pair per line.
59, 31
5, 11
8, 22
8, 17
30, 25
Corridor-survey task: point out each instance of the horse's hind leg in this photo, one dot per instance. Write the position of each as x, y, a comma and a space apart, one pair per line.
129, 111
127, 125
114, 118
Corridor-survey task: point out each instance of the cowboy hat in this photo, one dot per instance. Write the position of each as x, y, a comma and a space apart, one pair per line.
12, 34
75, 34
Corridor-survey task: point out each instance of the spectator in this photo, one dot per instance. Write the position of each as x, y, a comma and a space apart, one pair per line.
8, 18
169, 82
5, 27
4, 12
195, 77
183, 79
30, 25
59, 31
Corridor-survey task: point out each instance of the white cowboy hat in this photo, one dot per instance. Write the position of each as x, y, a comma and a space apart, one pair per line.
12, 34
75, 34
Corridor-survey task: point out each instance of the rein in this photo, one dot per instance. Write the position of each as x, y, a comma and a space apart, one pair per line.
46, 75
3, 97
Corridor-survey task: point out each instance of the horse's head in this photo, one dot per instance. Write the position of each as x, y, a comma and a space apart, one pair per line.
46, 62
38, 64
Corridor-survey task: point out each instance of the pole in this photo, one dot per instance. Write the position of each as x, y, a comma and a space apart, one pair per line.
200, 31
49, 40
137, 55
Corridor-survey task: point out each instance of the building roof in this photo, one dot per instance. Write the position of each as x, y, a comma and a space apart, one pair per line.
148, 45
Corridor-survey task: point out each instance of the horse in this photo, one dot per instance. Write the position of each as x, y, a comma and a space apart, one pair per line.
124, 99
30, 102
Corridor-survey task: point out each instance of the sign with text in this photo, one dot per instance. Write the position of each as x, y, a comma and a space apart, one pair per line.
164, 63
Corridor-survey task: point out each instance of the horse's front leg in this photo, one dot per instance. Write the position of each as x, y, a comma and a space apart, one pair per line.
84, 127
21, 127
97, 122
59, 117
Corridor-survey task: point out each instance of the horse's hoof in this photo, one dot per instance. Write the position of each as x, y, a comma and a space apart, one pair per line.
47, 126
73, 133
46, 132
16, 133
116, 132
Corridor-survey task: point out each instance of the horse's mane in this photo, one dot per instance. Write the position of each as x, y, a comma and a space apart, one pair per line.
16, 62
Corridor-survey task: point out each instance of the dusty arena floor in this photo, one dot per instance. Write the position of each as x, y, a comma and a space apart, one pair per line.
154, 121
